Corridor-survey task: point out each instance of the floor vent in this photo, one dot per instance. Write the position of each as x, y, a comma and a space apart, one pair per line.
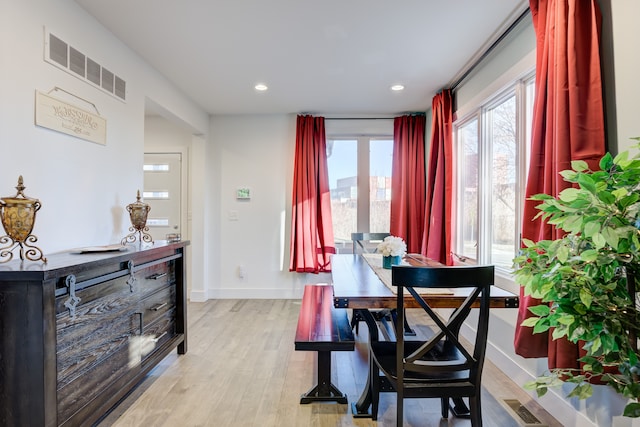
521, 414
64, 56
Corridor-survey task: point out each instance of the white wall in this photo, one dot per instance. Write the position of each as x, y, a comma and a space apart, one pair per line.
624, 21
167, 136
84, 187
255, 152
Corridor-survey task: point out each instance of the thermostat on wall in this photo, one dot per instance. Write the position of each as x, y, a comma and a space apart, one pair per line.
243, 193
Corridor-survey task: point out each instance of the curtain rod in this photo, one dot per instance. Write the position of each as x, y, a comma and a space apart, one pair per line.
358, 118
373, 118
490, 49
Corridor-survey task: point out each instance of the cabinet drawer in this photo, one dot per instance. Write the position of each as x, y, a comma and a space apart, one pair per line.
94, 372
158, 303
156, 334
149, 279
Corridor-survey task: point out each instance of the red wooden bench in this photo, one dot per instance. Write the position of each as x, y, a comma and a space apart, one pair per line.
323, 328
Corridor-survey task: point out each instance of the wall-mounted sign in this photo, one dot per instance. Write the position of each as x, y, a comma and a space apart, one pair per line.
61, 116
243, 193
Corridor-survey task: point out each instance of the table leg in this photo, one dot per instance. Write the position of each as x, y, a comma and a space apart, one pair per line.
361, 408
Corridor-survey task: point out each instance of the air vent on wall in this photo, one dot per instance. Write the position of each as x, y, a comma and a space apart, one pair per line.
59, 53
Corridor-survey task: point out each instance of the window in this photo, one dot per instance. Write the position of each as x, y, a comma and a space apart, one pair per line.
468, 189
492, 146
360, 183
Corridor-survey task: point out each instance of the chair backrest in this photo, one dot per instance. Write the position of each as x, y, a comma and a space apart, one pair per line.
360, 240
443, 353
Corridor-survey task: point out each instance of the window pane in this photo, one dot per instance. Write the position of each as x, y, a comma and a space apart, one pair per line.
502, 127
343, 172
468, 203
529, 97
380, 161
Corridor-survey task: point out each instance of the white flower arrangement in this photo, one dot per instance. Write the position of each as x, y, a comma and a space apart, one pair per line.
392, 246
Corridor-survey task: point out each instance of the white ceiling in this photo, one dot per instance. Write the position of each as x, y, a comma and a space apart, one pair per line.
320, 57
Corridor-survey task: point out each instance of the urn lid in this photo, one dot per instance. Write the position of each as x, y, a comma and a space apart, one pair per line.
19, 199
138, 204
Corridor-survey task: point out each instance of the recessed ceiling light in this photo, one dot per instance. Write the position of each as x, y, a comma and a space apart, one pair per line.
397, 88
261, 87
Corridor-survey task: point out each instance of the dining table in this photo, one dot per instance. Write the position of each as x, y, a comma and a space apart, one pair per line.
361, 283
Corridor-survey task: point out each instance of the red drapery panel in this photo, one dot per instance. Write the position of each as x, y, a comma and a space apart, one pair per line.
568, 124
436, 242
311, 227
408, 180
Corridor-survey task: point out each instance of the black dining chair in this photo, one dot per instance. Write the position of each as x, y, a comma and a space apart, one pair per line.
364, 242
440, 366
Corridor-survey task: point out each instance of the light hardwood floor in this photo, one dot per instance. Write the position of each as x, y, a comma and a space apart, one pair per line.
241, 370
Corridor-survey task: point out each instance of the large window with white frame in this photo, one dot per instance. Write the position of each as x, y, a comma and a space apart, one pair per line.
360, 183
491, 146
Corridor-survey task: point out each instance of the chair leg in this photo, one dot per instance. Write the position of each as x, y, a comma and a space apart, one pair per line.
444, 406
475, 410
375, 389
399, 406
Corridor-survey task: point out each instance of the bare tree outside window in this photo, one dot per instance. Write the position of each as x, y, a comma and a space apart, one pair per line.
502, 128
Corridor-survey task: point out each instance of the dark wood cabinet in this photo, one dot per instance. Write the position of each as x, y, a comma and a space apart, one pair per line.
78, 333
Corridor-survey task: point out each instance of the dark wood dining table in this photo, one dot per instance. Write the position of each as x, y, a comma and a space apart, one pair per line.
357, 286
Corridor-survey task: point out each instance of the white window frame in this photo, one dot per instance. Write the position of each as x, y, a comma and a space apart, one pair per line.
481, 112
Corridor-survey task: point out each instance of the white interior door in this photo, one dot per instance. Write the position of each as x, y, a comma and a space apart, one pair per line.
162, 191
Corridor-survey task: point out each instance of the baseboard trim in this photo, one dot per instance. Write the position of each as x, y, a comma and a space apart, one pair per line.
261, 293
198, 296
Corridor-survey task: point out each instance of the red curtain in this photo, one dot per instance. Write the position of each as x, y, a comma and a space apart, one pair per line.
408, 180
436, 241
311, 227
568, 124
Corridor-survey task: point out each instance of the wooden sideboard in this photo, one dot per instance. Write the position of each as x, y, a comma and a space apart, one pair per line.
81, 331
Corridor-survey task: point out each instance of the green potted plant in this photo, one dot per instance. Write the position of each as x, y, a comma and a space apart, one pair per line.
586, 279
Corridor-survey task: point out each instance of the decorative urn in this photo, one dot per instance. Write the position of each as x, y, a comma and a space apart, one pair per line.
18, 214
138, 213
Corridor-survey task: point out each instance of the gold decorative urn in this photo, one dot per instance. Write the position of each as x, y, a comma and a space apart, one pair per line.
18, 214
138, 213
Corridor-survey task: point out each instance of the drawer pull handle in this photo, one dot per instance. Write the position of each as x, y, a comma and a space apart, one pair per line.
159, 337
157, 276
159, 306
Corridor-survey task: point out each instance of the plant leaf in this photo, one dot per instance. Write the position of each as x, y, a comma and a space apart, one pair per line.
587, 183
569, 194
530, 322
611, 237
599, 240
585, 297
632, 410
579, 165
589, 255
581, 391
562, 254
540, 310
591, 228
569, 175
606, 162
